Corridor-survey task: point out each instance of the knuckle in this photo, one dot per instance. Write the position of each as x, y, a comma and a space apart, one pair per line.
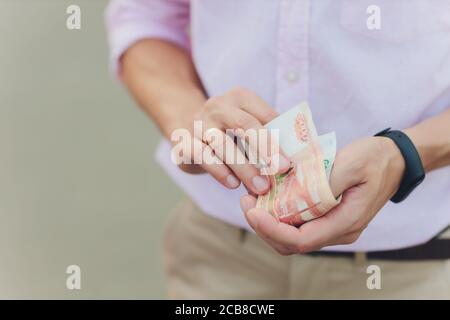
220, 175
238, 92
357, 227
363, 226
270, 115
214, 137
213, 103
217, 146
245, 122
355, 223
351, 238
302, 248
215, 114
358, 224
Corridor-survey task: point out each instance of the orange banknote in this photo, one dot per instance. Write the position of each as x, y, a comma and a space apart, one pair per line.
303, 193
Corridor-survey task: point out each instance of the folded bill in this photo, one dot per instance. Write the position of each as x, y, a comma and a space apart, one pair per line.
303, 193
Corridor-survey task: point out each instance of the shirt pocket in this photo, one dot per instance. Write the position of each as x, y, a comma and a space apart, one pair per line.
399, 20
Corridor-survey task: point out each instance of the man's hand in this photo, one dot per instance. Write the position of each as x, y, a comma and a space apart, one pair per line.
242, 110
163, 80
367, 173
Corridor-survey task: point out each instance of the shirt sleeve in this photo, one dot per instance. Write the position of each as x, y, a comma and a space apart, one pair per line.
128, 21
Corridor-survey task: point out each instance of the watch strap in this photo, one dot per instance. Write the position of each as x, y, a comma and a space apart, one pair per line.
414, 172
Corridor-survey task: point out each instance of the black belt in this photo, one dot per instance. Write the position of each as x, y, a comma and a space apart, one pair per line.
435, 249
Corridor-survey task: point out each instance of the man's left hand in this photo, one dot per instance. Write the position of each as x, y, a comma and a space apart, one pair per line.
367, 173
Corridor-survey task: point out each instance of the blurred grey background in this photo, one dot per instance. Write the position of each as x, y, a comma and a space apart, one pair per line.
78, 182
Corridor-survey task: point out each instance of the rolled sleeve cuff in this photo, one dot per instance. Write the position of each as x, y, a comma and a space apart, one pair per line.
123, 36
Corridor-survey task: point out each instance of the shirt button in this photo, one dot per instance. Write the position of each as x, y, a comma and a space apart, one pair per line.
292, 77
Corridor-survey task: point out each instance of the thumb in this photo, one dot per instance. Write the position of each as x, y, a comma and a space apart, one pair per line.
342, 177
248, 202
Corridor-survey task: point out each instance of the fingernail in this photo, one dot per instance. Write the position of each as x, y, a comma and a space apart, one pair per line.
284, 163
245, 204
232, 181
260, 183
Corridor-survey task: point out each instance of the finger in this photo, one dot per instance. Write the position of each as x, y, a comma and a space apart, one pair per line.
327, 230
248, 202
228, 152
203, 155
258, 108
242, 110
267, 227
348, 238
282, 250
253, 104
227, 114
263, 145
330, 229
342, 175
250, 192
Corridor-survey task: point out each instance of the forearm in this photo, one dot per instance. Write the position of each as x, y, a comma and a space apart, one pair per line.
432, 139
163, 81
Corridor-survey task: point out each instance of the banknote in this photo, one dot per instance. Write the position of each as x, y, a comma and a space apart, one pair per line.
303, 193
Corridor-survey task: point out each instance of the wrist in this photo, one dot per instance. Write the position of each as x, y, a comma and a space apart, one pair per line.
184, 116
425, 151
431, 138
395, 161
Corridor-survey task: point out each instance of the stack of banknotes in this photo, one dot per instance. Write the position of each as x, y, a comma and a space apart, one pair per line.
303, 193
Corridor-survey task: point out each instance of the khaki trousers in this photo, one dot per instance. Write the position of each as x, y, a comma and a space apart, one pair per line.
206, 258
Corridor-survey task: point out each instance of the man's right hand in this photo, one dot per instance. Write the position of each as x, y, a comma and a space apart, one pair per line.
242, 110
163, 80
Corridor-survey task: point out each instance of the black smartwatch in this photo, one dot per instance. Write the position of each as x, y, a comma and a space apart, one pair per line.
414, 172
